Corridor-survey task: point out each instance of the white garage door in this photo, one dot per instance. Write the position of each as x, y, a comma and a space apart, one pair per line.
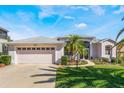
35, 55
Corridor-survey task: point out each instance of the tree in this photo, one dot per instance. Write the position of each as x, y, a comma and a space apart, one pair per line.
120, 32
9, 39
119, 44
74, 46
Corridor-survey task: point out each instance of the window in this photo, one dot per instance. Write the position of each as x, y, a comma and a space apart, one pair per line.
23, 48
38, 48
47, 48
33, 48
43, 48
18, 48
28, 48
52, 48
108, 49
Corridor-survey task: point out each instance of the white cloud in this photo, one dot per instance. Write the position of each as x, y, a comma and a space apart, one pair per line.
121, 10
25, 16
85, 8
98, 10
69, 17
43, 15
46, 11
81, 25
17, 28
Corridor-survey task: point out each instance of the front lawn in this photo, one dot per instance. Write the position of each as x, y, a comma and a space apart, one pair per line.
91, 77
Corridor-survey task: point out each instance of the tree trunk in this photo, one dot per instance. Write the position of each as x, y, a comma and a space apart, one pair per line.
110, 56
77, 64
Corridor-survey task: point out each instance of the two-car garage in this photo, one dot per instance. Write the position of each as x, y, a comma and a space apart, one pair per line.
38, 50
37, 55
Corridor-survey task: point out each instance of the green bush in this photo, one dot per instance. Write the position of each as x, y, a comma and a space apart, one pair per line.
119, 61
97, 61
122, 60
83, 62
5, 59
64, 60
114, 60
105, 59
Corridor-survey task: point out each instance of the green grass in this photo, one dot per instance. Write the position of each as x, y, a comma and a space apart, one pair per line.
91, 77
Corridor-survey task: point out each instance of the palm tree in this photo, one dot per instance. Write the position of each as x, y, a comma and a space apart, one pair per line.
120, 32
120, 44
74, 46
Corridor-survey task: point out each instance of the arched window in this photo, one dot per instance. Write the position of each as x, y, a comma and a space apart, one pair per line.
108, 49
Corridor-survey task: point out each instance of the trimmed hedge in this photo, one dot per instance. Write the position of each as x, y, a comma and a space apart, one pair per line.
64, 60
5, 59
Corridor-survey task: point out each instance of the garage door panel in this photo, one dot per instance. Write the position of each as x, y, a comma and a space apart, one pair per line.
35, 52
40, 56
35, 58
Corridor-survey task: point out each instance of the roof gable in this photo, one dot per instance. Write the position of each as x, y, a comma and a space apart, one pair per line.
38, 40
104, 40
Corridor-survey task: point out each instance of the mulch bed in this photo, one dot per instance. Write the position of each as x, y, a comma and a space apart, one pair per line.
2, 65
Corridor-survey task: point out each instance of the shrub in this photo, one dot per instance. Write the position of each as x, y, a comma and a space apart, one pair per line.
97, 61
119, 61
64, 60
83, 62
5, 59
114, 60
105, 59
122, 60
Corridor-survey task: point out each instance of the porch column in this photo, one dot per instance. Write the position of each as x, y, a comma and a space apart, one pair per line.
83, 55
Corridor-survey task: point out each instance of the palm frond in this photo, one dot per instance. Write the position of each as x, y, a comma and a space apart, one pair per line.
120, 42
121, 31
122, 19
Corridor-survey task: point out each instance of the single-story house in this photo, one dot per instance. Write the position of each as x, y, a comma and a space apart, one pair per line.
45, 50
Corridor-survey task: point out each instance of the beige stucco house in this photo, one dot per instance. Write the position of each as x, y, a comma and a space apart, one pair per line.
43, 50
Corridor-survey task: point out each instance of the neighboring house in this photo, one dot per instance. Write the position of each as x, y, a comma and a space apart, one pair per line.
45, 50
3, 40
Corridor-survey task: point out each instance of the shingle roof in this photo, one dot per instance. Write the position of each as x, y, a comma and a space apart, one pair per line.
102, 40
37, 40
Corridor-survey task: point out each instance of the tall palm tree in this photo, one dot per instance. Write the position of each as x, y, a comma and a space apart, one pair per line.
119, 44
120, 32
74, 46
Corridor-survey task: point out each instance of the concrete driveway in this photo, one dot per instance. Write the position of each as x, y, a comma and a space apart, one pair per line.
28, 76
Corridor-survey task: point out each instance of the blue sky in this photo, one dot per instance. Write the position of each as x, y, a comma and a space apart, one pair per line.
51, 21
